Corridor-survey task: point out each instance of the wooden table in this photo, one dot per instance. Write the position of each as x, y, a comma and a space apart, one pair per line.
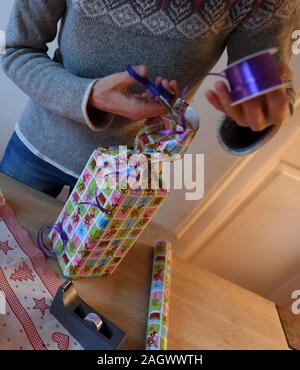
207, 312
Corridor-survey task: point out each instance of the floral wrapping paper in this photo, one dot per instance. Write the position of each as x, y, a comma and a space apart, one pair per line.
98, 242
158, 316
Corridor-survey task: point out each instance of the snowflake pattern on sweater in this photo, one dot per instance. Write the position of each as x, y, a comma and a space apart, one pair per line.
184, 18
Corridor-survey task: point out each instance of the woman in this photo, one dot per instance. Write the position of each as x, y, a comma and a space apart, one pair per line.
83, 98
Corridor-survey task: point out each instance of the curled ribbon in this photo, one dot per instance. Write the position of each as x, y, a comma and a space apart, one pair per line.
166, 131
45, 248
183, 121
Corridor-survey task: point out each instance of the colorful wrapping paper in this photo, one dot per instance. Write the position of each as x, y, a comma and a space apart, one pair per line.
158, 317
97, 241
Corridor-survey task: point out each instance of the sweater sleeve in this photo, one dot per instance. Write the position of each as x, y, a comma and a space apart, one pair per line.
32, 25
269, 25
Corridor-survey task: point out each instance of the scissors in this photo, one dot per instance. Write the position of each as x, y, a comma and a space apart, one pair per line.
160, 92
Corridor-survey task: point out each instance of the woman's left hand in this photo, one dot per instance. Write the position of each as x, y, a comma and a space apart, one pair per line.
257, 113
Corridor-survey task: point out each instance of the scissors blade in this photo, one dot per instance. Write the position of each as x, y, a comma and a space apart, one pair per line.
145, 81
175, 114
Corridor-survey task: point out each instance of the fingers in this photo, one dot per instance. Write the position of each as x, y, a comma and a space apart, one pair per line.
254, 114
277, 102
236, 113
172, 87
137, 108
257, 113
278, 107
158, 80
282, 71
168, 87
214, 100
124, 80
175, 87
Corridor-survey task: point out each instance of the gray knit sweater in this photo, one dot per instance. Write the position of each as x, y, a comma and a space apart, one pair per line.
100, 37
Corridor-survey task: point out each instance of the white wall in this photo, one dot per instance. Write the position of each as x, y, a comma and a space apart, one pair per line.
12, 100
250, 233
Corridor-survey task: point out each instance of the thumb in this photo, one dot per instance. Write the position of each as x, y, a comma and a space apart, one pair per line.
282, 71
126, 80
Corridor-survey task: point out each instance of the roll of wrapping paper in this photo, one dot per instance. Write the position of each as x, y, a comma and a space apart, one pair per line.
158, 316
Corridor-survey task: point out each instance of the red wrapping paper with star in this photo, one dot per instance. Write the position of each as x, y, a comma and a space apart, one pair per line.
29, 287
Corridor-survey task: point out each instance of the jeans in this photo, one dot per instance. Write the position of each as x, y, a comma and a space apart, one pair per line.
20, 163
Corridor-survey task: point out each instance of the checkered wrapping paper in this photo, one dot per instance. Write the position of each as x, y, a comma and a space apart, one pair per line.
158, 317
98, 242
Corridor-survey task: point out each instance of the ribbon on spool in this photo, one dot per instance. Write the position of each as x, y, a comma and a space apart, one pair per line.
248, 78
253, 76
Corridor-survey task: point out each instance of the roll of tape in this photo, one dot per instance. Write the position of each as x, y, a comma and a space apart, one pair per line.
94, 319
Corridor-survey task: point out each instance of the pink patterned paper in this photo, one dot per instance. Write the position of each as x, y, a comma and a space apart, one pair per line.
29, 287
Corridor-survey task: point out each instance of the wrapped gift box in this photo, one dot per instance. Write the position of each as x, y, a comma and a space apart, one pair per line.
98, 241
98, 224
158, 317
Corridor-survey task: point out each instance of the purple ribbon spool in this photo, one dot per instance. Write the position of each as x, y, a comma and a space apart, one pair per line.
248, 78
253, 76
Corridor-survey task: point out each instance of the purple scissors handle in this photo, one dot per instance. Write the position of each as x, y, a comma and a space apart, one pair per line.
159, 91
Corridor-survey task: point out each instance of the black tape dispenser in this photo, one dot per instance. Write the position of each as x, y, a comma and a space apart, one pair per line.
91, 329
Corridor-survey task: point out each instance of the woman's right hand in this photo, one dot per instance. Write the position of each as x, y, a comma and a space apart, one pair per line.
112, 94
